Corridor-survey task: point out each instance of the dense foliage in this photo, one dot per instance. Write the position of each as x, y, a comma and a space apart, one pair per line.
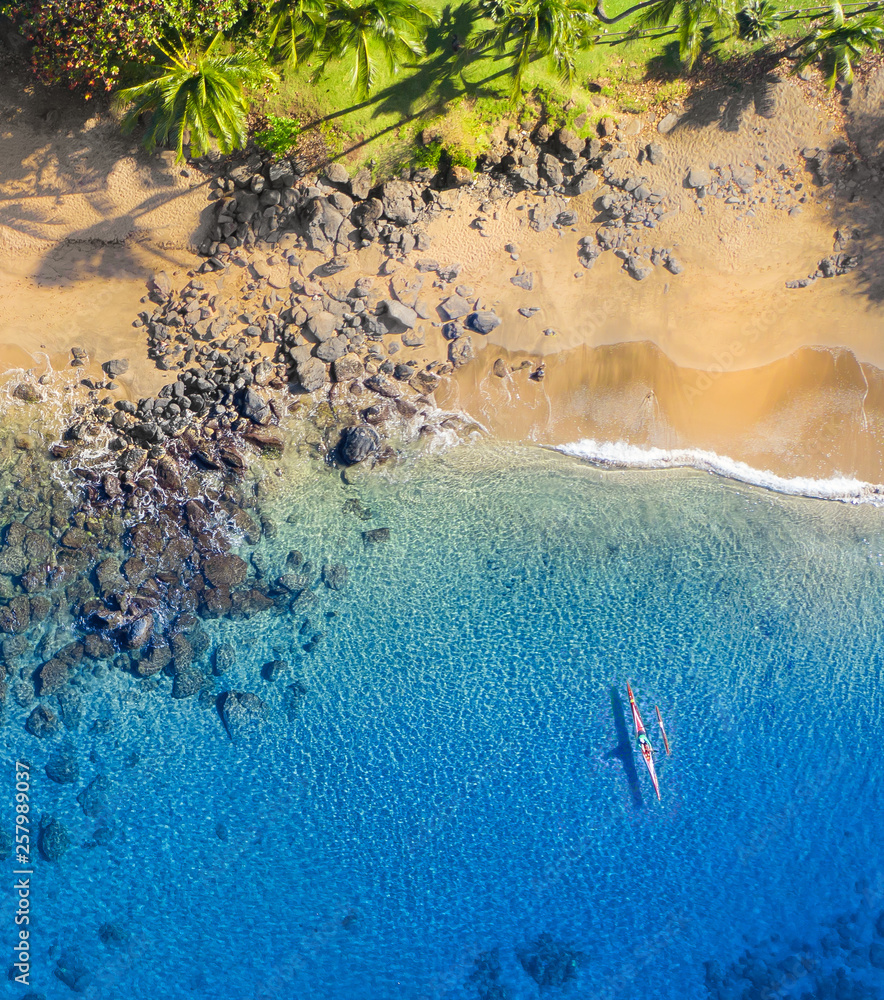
194, 95
85, 44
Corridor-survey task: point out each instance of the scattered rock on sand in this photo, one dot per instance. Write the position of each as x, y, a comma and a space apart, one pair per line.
483, 322
119, 366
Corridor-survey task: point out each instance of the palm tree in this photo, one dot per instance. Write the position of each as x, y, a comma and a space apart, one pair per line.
196, 89
840, 41
556, 29
395, 28
296, 29
691, 16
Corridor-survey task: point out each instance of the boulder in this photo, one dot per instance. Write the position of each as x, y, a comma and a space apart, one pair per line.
241, 712
699, 177
524, 280
460, 351
119, 366
550, 168
253, 406
333, 349
334, 576
454, 307
347, 367
367, 213
400, 313
93, 798
42, 722
360, 185
323, 325
266, 438
188, 682
54, 840
550, 963
275, 669
312, 374
655, 153
325, 224
500, 369
225, 658
667, 123
27, 393
569, 145
72, 970
483, 322
401, 201
225, 570
375, 536
62, 766
336, 173
356, 444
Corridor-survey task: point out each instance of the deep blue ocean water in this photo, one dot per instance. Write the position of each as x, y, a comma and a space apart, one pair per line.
447, 787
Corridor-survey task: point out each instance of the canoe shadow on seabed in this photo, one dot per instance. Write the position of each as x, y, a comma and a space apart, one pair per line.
623, 748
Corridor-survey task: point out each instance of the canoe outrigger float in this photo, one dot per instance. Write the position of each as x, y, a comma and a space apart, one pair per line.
643, 742
663, 731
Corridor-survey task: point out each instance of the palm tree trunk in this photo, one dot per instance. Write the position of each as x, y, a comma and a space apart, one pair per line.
603, 17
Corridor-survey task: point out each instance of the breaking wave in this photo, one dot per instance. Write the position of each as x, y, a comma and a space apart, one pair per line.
620, 455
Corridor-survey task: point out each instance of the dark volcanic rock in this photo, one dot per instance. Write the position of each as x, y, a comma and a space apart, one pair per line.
460, 351
54, 840
241, 712
253, 407
376, 535
118, 366
225, 570
72, 970
275, 669
550, 963
93, 798
62, 766
483, 322
356, 444
334, 576
225, 658
42, 722
188, 682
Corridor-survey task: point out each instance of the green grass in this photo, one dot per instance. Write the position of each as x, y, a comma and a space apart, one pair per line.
465, 99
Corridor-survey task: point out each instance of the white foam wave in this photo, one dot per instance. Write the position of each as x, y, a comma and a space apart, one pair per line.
620, 455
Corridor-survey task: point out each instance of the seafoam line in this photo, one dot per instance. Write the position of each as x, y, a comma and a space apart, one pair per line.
620, 455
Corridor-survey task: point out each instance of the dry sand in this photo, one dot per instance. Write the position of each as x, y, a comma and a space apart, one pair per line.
722, 357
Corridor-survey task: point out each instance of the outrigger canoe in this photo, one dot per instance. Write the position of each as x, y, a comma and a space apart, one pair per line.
643, 742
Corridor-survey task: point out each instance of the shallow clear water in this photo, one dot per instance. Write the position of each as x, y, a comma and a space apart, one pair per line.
447, 786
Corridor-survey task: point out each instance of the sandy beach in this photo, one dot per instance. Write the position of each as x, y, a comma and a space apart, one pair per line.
721, 357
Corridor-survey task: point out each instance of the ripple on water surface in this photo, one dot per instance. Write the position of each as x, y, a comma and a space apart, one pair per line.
451, 811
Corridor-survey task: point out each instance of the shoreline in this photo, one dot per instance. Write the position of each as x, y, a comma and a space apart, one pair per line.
574, 318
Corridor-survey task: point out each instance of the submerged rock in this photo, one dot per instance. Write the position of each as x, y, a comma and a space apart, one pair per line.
54, 840
42, 722
549, 962
334, 576
62, 766
93, 798
242, 712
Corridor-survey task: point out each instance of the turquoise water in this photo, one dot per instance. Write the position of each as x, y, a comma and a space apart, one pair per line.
447, 788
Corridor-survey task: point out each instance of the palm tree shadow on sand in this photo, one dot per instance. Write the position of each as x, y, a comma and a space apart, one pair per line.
623, 748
